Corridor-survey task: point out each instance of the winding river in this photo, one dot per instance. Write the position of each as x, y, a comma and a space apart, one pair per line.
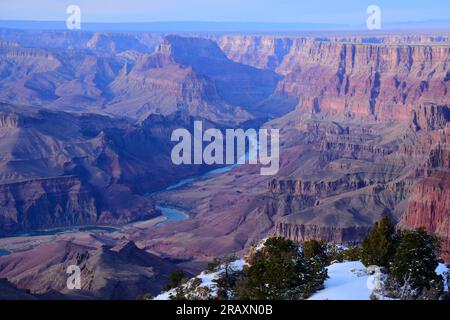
171, 214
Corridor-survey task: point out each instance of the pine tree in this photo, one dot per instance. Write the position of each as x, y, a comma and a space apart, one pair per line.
416, 259
280, 271
314, 248
378, 248
227, 279
176, 278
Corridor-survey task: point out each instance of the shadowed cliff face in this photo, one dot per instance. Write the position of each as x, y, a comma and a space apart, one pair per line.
59, 169
236, 83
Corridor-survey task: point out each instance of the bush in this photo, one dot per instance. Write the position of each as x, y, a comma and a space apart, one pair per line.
416, 259
226, 283
378, 248
280, 271
351, 254
227, 279
213, 265
176, 279
314, 249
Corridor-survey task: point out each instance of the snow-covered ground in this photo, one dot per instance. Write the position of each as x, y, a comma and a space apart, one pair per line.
350, 281
207, 280
347, 281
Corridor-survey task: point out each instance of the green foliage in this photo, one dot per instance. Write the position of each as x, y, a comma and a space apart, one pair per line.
226, 283
378, 248
176, 279
218, 262
314, 248
227, 279
145, 296
316, 254
280, 271
416, 259
352, 254
213, 265
335, 253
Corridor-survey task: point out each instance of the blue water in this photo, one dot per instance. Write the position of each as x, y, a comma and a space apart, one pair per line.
208, 174
253, 144
172, 215
4, 252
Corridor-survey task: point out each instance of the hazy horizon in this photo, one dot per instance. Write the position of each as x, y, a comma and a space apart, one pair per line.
329, 12
228, 26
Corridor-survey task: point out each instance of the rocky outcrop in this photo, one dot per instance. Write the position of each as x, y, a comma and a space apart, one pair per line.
262, 52
120, 272
237, 84
268, 52
431, 117
382, 81
301, 233
66, 201
46, 203
428, 207
9, 120
159, 84
322, 188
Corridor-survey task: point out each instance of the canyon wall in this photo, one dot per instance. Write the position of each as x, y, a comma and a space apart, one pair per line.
428, 207
381, 80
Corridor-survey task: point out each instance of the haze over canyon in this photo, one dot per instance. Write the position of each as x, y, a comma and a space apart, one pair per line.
85, 149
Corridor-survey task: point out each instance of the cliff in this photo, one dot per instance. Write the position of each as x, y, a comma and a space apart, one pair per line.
120, 272
66, 201
381, 80
428, 207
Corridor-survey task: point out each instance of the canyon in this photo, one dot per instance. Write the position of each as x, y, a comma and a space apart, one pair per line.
85, 140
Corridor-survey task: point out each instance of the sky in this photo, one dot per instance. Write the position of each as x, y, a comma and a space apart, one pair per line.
347, 12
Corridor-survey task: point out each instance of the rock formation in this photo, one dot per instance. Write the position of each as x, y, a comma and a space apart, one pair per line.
120, 272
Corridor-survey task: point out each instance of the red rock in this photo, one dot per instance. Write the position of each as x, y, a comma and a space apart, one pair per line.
429, 207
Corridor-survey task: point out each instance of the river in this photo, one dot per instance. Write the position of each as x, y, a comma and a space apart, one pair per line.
4, 252
171, 214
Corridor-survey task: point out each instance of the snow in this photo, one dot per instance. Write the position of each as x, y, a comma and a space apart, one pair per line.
441, 269
207, 279
165, 295
350, 281
347, 281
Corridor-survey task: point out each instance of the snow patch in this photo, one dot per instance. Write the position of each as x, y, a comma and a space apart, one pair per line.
207, 280
347, 281
351, 281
